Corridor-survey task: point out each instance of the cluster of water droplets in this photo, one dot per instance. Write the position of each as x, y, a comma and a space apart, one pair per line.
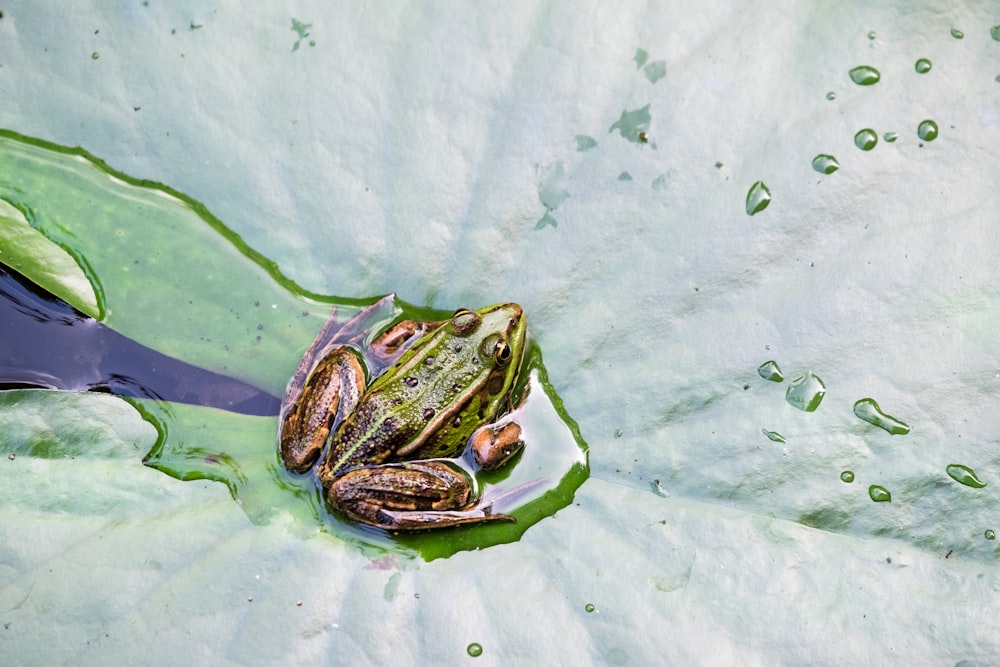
866, 139
806, 393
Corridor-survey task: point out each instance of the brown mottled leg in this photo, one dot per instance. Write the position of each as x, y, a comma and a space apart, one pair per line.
409, 496
335, 384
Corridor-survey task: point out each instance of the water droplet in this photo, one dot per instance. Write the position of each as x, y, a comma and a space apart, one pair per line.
589, 608
923, 66
890, 137
879, 494
865, 75
847, 476
871, 34
927, 130
867, 410
640, 57
831, 96
95, 55
806, 392
769, 371
758, 198
774, 436
825, 164
474, 649
866, 139
989, 534
995, 33
964, 475
957, 34
624, 176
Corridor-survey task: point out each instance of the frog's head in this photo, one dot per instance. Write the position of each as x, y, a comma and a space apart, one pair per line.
499, 334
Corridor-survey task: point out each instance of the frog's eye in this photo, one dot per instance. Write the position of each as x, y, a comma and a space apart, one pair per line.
502, 353
496, 346
464, 322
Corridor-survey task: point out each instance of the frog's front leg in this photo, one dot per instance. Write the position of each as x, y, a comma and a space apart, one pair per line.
493, 445
409, 496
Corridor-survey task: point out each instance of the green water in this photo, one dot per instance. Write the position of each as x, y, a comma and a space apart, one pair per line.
964, 475
927, 130
865, 75
806, 392
825, 164
866, 139
758, 198
868, 410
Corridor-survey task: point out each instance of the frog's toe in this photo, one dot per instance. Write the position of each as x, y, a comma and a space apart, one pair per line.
392, 520
410, 520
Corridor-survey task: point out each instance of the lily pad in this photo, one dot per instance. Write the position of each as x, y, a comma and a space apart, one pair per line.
397, 150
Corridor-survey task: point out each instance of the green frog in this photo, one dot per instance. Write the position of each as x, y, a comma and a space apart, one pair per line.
379, 448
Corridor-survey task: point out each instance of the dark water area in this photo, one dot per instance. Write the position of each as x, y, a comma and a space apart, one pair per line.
45, 343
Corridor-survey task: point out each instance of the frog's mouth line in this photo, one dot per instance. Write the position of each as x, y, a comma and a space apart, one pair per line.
48, 344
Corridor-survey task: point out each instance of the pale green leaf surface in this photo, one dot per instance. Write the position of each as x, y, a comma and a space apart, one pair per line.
406, 152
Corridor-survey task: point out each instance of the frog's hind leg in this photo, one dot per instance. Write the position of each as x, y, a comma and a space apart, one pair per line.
331, 390
409, 496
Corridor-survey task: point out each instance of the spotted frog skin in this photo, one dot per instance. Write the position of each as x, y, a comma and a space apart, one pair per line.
377, 448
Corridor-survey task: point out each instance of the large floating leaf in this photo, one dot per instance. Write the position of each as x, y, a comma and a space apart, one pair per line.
411, 149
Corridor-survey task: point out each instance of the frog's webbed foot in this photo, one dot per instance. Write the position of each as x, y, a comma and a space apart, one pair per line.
409, 496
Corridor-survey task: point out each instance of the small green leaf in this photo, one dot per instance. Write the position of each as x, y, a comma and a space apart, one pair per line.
27, 251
